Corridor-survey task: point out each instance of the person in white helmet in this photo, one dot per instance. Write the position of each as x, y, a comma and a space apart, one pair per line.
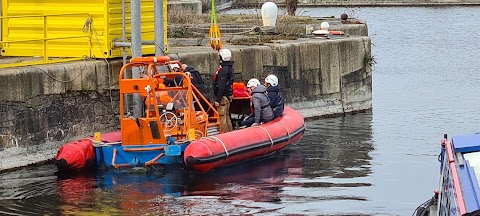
262, 112
222, 88
276, 100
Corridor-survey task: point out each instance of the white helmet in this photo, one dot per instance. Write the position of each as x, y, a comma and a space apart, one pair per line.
253, 82
225, 54
272, 79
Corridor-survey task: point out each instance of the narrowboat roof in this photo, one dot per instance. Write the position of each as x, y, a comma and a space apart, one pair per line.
467, 159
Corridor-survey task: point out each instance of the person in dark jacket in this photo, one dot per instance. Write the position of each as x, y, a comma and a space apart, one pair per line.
222, 88
177, 81
197, 81
276, 100
261, 105
196, 78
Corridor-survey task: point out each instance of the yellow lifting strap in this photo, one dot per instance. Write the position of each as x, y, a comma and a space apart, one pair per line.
215, 39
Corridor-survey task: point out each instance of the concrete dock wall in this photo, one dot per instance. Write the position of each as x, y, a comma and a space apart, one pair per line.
43, 107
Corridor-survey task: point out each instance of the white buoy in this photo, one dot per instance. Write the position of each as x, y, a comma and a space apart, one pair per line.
324, 26
269, 15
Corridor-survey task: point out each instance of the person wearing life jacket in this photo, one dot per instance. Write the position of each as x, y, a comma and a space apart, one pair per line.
162, 99
222, 88
262, 112
276, 100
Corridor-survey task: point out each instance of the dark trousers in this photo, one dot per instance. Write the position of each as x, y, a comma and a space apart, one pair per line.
250, 120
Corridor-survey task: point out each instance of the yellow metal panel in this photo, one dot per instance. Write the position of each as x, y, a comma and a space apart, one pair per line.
20, 28
96, 41
115, 24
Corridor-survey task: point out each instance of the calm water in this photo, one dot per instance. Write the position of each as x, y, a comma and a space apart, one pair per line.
378, 163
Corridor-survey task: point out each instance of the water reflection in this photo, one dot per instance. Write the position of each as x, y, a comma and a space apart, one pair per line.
336, 164
30, 191
339, 147
329, 164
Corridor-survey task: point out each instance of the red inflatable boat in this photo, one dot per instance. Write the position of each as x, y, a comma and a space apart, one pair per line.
211, 152
183, 130
80, 154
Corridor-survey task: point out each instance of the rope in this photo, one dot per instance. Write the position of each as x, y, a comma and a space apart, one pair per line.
201, 133
54, 78
164, 48
288, 132
86, 28
301, 119
223, 144
269, 136
210, 139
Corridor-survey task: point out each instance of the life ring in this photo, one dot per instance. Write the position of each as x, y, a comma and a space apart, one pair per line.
150, 59
336, 32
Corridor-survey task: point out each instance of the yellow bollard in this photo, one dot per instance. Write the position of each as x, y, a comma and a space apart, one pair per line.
191, 134
97, 137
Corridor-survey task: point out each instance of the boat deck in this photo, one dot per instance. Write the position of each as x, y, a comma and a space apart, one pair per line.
467, 158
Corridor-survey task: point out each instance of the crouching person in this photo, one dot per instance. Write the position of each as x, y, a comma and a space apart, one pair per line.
276, 100
262, 112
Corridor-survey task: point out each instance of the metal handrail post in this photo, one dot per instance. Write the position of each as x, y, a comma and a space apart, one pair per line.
124, 51
136, 32
90, 36
1, 26
45, 57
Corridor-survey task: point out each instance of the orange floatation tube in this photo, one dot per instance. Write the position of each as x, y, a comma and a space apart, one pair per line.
80, 154
336, 32
211, 152
150, 59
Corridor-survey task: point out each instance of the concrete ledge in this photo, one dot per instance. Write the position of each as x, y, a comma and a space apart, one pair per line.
195, 6
349, 29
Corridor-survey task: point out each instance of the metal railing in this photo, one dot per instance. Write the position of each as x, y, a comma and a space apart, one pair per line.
46, 58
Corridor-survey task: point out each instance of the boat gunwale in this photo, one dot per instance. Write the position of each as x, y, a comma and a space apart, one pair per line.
455, 177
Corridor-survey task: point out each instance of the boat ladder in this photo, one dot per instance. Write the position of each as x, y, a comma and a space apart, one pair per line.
213, 130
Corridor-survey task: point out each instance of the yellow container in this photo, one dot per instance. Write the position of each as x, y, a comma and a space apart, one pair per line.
62, 23
191, 133
98, 137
